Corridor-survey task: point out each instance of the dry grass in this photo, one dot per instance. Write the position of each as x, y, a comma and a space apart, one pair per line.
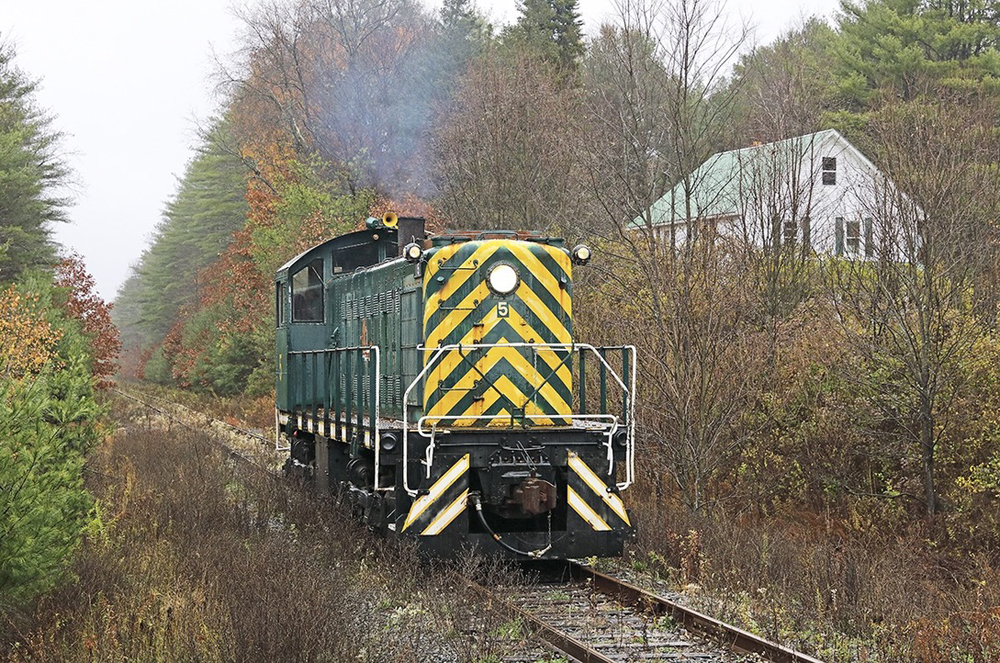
242, 411
195, 557
843, 594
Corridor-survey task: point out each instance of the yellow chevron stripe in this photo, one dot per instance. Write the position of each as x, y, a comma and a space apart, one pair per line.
468, 306
452, 360
548, 393
507, 387
533, 370
583, 509
523, 252
549, 356
598, 486
460, 276
476, 334
449, 514
445, 365
547, 316
455, 318
464, 384
441, 256
515, 320
440, 486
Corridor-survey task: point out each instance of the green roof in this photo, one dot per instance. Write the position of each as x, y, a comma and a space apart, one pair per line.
717, 185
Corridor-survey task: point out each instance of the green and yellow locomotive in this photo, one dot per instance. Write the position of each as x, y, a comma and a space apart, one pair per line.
434, 384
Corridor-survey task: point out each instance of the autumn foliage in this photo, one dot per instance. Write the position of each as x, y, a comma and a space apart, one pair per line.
50, 420
93, 313
765, 392
27, 340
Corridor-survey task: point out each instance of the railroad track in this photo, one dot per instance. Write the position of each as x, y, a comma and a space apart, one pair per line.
589, 617
596, 618
255, 448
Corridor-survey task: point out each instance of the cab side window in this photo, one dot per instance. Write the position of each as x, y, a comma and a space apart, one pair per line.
307, 293
280, 292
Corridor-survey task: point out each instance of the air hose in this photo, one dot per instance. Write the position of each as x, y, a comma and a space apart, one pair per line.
534, 554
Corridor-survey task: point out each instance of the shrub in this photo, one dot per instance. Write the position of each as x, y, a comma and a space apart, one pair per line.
48, 423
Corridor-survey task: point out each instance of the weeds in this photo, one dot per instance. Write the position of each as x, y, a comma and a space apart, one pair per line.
859, 595
196, 557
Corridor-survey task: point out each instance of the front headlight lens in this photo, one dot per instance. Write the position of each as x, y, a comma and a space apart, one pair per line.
413, 252
503, 279
581, 254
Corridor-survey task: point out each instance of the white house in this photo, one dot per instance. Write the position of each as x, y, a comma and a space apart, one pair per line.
817, 191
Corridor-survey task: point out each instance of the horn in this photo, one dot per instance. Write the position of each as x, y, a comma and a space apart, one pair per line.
390, 220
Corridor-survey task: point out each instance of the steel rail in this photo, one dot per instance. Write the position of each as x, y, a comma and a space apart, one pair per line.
562, 642
696, 622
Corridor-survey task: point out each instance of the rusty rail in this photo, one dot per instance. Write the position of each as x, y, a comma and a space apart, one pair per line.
735, 638
562, 642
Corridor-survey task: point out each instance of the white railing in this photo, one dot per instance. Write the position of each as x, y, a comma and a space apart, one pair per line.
610, 424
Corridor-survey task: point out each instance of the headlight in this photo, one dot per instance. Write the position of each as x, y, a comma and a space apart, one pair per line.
503, 279
412, 252
581, 254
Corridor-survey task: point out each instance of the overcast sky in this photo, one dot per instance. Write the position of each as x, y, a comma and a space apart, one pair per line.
129, 83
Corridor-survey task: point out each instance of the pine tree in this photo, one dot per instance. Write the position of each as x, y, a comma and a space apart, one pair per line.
906, 47
552, 29
49, 422
568, 32
464, 33
30, 172
198, 224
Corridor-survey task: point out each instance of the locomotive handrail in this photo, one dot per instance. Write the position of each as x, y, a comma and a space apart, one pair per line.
609, 419
628, 392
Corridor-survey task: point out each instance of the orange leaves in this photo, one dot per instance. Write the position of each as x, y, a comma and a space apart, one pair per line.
94, 314
27, 340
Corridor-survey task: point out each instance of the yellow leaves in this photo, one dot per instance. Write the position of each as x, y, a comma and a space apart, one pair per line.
27, 340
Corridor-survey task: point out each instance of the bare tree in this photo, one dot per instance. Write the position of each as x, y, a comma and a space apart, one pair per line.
659, 105
910, 313
350, 81
506, 150
785, 86
774, 191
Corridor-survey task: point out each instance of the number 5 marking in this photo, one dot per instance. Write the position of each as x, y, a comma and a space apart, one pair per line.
502, 310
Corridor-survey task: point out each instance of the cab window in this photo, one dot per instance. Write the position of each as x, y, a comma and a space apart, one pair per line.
348, 258
307, 293
280, 292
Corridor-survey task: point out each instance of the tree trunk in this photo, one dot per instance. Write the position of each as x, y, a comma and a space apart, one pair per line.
927, 449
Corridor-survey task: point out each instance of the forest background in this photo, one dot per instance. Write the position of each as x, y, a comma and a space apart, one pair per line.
838, 419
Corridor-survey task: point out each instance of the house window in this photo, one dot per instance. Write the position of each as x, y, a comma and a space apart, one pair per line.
839, 236
853, 237
307, 293
829, 170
